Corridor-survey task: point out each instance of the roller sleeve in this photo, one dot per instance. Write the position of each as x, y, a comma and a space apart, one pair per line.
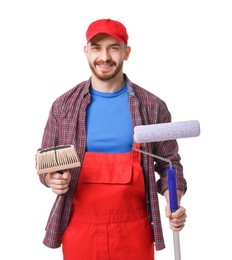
166, 131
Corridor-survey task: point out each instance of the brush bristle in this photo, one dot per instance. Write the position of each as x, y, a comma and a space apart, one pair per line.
55, 159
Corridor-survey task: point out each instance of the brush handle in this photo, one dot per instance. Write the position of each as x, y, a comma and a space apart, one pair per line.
61, 172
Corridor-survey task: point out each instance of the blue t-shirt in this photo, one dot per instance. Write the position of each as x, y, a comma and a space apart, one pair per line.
109, 124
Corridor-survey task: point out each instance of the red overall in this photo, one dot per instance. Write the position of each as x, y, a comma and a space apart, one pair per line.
109, 220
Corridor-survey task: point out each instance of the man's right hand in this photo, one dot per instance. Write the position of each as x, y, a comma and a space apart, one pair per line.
59, 183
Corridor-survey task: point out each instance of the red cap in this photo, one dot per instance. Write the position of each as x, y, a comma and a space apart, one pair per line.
108, 26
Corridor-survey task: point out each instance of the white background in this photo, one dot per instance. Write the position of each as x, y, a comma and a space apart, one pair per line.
181, 51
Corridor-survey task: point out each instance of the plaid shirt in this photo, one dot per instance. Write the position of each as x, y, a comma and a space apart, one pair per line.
66, 125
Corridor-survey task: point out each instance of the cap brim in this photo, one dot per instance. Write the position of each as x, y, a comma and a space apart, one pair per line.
119, 39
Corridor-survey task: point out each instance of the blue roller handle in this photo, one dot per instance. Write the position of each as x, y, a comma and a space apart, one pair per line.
172, 189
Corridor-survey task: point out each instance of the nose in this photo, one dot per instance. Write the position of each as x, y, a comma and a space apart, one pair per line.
105, 56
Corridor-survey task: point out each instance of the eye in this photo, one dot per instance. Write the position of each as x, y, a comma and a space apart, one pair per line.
95, 48
114, 48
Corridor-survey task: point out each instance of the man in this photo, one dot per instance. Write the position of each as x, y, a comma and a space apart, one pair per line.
108, 208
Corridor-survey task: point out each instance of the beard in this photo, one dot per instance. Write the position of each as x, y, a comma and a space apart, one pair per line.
104, 76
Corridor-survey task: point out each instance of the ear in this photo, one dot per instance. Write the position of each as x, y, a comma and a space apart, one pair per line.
85, 50
127, 52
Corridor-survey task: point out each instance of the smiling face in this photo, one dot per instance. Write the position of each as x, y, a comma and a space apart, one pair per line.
106, 56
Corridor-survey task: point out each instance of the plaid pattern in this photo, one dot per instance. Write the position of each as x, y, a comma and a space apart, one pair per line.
66, 125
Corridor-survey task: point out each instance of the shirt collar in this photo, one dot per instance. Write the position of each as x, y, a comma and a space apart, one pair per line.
128, 83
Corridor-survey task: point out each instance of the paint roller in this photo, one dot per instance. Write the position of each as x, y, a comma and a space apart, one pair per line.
163, 132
